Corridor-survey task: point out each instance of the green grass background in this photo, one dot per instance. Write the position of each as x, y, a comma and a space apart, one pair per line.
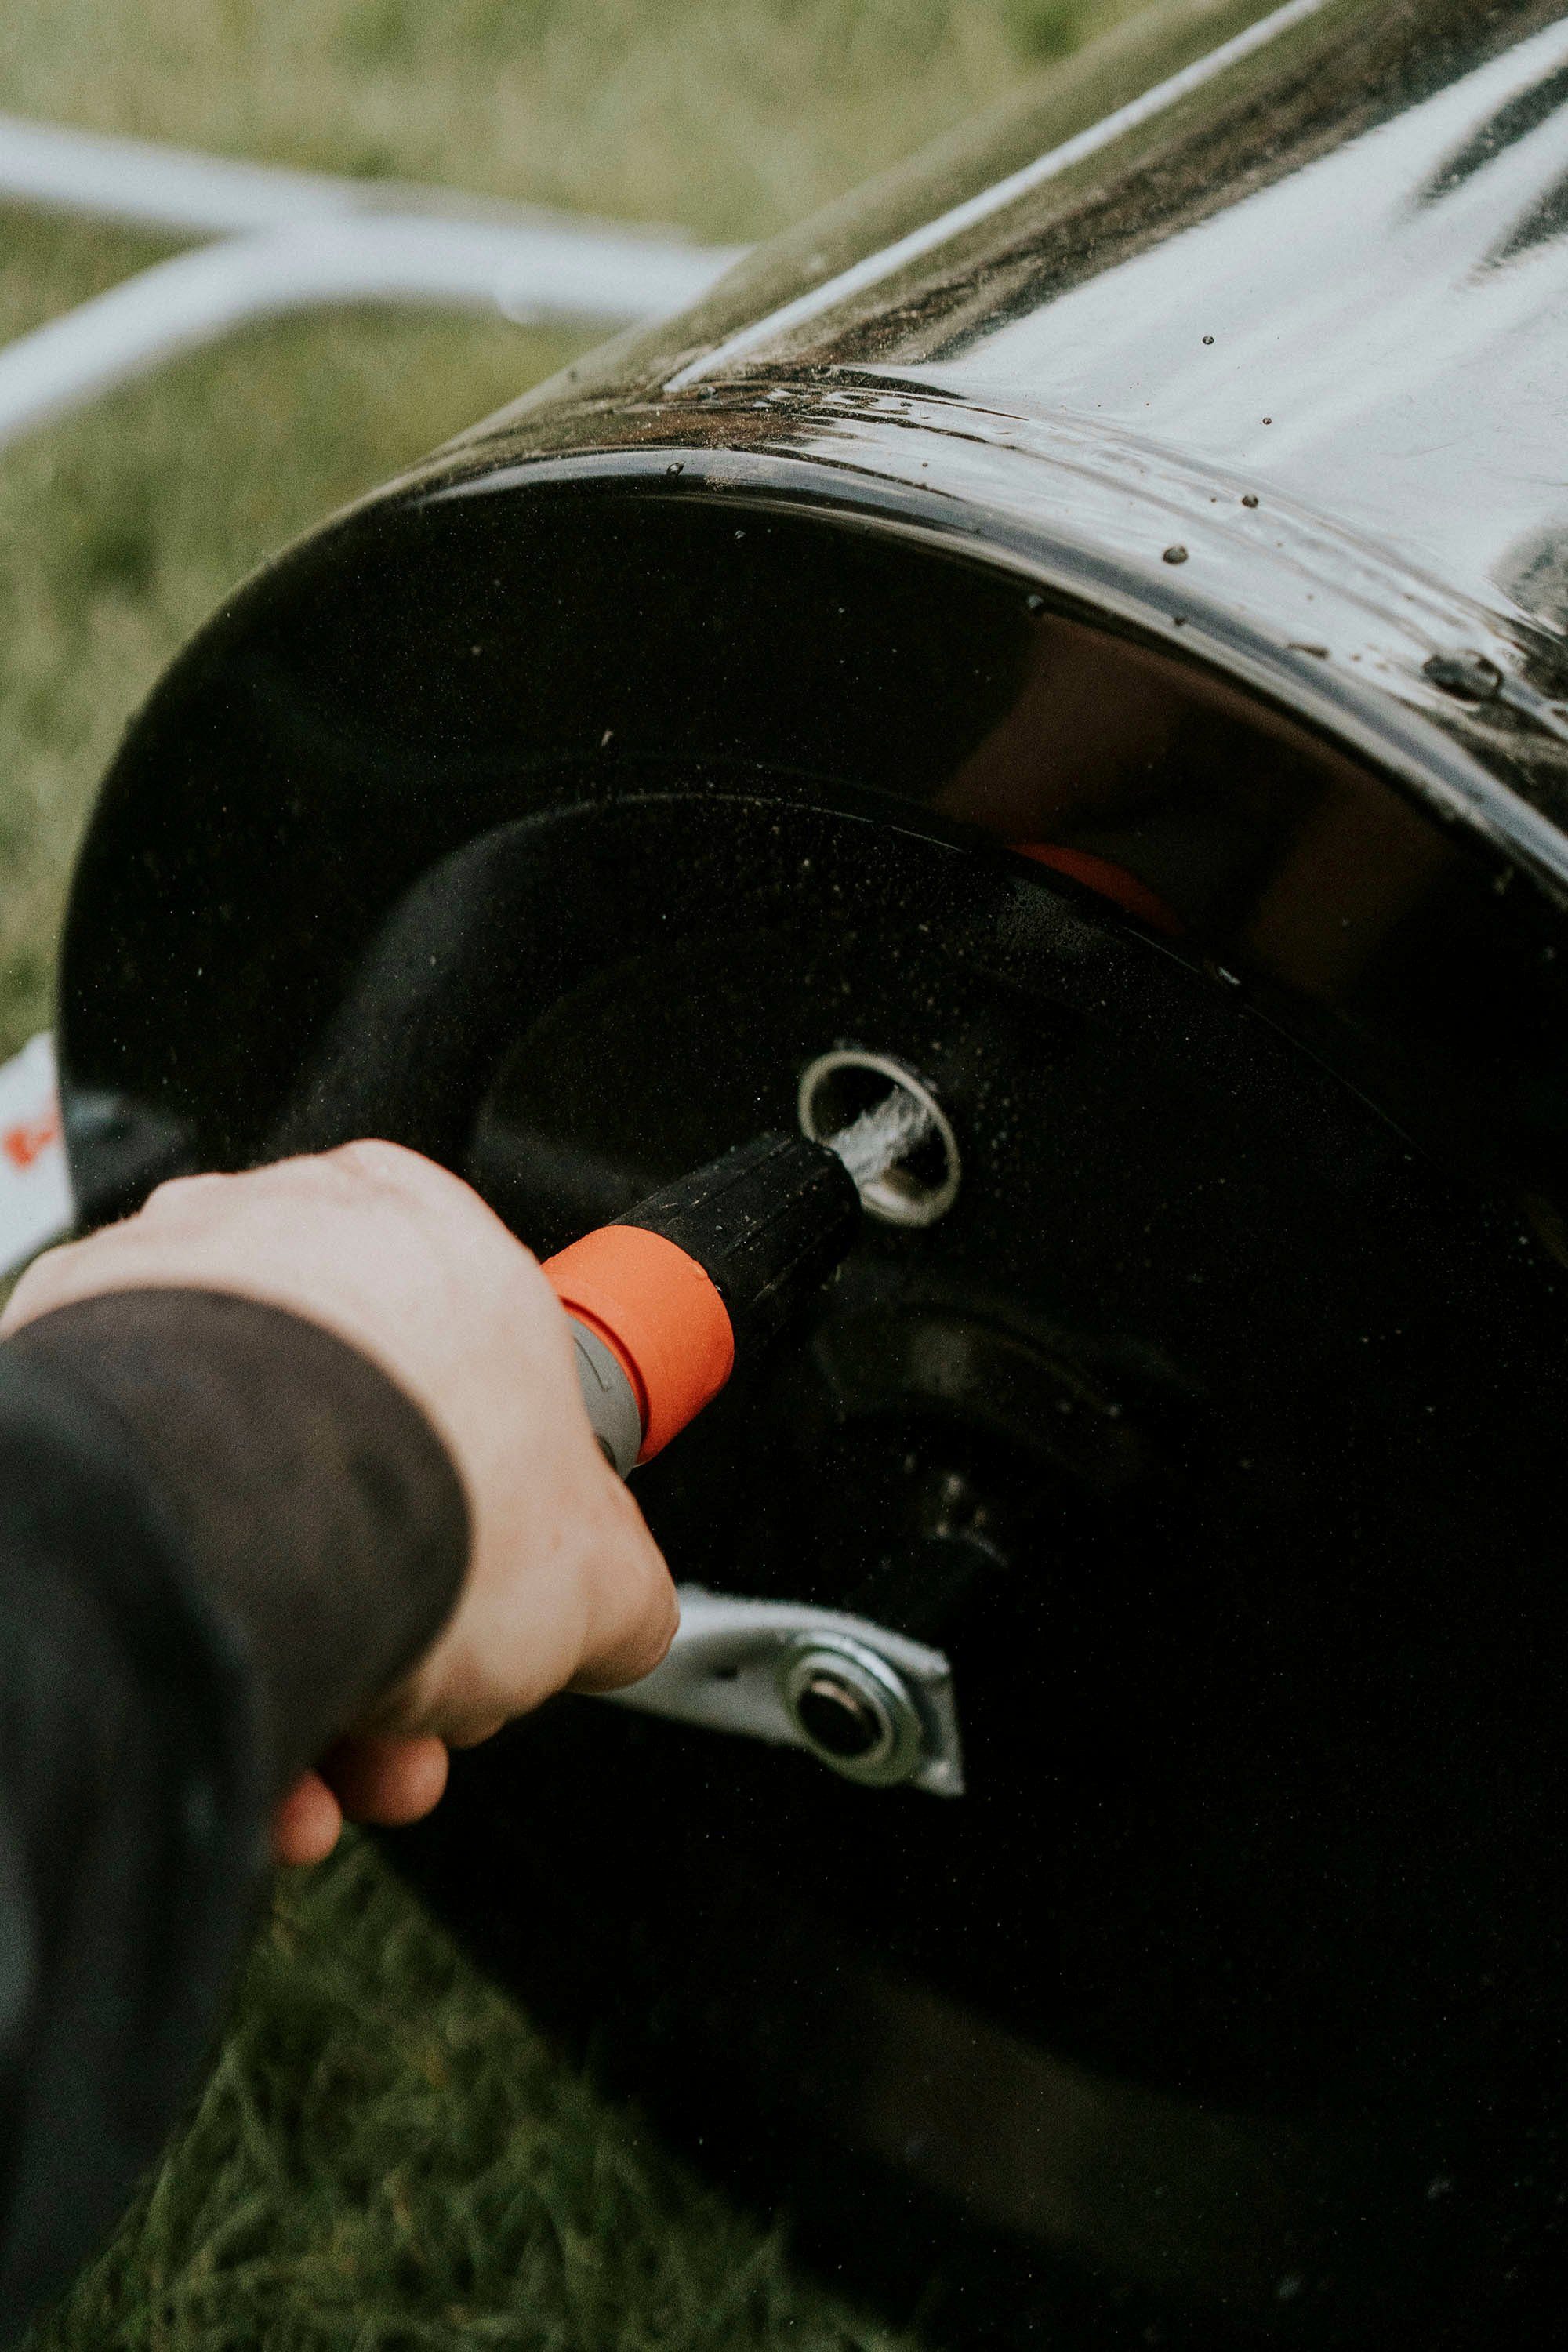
386, 2156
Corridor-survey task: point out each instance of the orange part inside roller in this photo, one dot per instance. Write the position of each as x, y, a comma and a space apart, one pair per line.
1110, 881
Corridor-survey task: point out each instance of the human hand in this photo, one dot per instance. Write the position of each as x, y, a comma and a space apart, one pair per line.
565, 1586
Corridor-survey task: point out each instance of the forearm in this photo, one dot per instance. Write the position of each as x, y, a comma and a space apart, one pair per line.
318, 1514
223, 1533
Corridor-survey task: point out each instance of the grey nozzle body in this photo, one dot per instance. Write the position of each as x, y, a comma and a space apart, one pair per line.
609, 1397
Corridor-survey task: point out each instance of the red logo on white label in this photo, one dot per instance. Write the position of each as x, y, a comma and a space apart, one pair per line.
23, 1144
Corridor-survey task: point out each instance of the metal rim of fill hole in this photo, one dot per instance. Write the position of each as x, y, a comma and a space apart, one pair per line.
854, 1712
900, 1196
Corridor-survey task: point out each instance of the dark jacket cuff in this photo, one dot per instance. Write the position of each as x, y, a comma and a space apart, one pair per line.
320, 1513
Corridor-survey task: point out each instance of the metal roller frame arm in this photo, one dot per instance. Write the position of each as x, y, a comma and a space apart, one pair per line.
288, 241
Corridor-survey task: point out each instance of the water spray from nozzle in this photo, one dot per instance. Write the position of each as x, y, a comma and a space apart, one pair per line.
888, 1129
713, 1267
876, 1141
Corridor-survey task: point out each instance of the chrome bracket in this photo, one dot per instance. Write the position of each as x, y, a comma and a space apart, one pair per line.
869, 1703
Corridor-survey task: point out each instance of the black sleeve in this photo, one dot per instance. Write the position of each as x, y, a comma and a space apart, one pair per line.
221, 1533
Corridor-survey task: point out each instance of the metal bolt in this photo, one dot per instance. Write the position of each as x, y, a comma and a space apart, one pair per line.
840, 1720
855, 1712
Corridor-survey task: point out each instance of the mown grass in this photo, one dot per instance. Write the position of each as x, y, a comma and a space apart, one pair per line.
734, 116
386, 2156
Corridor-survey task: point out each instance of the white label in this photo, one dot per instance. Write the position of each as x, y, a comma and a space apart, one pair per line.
36, 1204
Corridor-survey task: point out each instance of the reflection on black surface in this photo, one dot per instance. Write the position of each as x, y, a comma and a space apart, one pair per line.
1279, 857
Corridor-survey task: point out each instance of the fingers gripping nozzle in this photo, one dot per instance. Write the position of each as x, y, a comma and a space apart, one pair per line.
706, 1270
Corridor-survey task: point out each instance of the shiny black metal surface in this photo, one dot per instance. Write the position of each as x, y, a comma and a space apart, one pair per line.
929, 648
1291, 308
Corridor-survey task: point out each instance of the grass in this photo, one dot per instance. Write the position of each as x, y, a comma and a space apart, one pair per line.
386, 2156
734, 116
